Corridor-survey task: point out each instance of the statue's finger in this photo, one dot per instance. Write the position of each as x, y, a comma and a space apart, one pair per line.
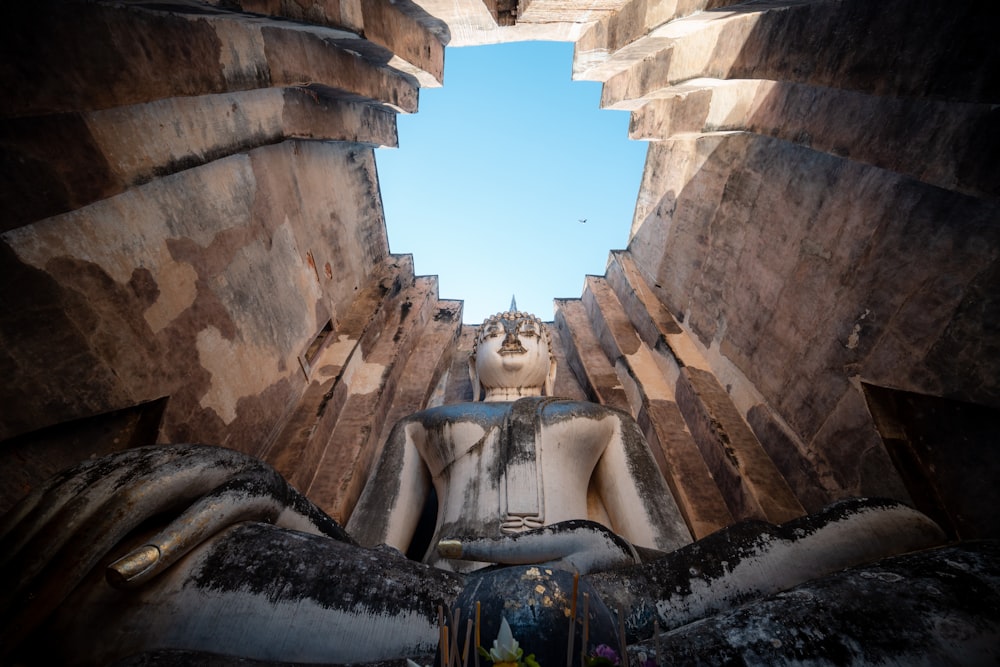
89, 525
260, 495
65, 548
68, 498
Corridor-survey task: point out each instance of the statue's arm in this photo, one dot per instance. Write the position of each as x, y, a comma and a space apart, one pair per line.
635, 495
395, 493
54, 537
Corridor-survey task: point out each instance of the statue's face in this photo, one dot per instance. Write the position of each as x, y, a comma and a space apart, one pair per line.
512, 353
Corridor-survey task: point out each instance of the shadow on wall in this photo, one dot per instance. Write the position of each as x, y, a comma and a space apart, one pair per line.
31, 458
946, 453
835, 235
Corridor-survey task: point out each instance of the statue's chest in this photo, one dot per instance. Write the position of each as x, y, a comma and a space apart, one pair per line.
518, 467
491, 452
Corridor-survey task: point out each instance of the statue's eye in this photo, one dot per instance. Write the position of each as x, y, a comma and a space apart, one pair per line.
528, 330
493, 331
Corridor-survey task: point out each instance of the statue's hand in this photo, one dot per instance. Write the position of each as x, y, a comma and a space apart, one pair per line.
256, 494
56, 535
578, 546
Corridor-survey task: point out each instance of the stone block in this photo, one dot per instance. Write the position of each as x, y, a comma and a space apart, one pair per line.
297, 451
691, 482
593, 370
97, 154
371, 379
749, 480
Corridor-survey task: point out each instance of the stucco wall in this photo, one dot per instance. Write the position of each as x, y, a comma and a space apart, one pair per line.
204, 286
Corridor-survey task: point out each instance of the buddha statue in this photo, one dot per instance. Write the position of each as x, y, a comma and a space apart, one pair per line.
192, 554
516, 461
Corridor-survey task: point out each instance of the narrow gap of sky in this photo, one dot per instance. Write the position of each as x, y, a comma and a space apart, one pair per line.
497, 169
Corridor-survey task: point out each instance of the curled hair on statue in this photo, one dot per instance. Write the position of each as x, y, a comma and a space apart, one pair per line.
512, 317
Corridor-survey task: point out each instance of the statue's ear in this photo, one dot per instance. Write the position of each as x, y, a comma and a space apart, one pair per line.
550, 379
474, 376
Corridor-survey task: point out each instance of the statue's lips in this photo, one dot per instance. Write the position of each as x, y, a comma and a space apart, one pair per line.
510, 351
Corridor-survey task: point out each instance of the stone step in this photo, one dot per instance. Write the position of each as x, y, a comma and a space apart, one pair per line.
423, 370
584, 357
415, 39
751, 484
790, 41
98, 154
654, 323
567, 384
655, 408
131, 54
297, 450
456, 386
707, 44
371, 378
562, 11
830, 120
616, 41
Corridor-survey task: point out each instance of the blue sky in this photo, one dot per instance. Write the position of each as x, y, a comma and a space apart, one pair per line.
494, 172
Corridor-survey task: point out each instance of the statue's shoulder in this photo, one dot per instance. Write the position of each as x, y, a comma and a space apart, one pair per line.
557, 409
482, 413
489, 414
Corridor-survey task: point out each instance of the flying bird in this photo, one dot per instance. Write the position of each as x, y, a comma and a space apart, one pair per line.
583, 220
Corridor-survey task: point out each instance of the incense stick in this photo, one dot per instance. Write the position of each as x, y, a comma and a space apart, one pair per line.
442, 637
478, 643
572, 621
656, 641
468, 639
454, 637
621, 635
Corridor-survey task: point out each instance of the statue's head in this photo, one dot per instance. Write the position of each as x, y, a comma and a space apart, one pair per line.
511, 358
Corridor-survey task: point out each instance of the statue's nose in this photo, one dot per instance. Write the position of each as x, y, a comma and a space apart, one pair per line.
511, 342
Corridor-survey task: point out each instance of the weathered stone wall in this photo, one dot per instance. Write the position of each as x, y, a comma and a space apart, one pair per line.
859, 275
191, 220
818, 210
204, 286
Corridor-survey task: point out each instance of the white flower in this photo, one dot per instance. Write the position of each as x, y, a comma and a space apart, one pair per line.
505, 648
